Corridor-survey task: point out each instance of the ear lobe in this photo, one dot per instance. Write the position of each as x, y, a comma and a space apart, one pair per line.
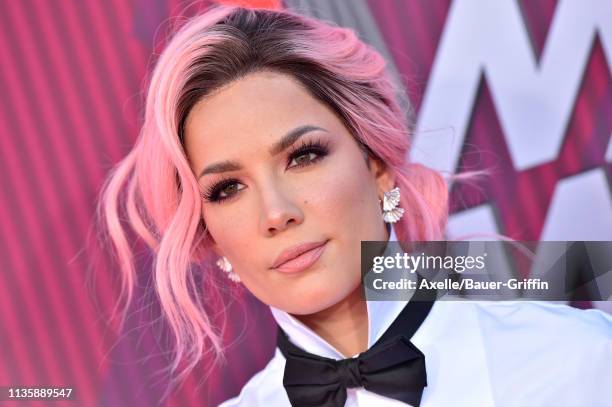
382, 174
216, 250
213, 245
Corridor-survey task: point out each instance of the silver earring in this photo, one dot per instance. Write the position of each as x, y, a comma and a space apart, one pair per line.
224, 264
392, 212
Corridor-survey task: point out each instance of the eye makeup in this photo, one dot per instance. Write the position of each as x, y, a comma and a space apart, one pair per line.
227, 188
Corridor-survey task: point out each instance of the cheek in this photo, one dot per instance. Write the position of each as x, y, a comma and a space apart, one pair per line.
228, 230
347, 197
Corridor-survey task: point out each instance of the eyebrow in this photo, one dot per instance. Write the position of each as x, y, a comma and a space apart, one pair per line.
281, 145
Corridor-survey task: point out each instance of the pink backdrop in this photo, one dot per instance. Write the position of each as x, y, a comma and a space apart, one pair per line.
71, 79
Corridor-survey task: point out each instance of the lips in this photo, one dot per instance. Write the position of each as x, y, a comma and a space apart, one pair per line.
286, 257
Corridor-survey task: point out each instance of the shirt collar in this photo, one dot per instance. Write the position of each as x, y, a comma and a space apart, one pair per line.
381, 315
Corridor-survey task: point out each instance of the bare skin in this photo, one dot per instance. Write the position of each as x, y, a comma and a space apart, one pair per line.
291, 196
343, 325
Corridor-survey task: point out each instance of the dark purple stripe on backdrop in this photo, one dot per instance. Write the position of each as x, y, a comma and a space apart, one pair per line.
412, 30
59, 135
48, 251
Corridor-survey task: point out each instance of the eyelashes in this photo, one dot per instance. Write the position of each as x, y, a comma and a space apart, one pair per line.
213, 193
221, 190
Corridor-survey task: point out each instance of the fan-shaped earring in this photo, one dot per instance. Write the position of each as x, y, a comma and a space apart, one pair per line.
224, 264
392, 212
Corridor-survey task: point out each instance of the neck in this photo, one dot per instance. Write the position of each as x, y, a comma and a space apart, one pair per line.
344, 325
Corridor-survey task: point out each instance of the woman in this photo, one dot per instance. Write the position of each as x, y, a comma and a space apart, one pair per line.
273, 144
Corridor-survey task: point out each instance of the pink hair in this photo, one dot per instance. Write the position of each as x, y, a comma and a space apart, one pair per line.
157, 191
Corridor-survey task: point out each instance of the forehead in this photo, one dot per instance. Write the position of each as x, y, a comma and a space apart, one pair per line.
258, 108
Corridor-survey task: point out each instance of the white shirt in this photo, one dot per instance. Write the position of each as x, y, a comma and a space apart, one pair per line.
477, 353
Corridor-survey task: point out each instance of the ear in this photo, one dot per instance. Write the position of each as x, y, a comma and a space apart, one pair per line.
385, 180
213, 245
215, 248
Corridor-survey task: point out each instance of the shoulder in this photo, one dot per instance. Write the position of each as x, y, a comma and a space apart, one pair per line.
531, 326
547, 327
265, 388
528, 316
518, 353
546, 318
553, 344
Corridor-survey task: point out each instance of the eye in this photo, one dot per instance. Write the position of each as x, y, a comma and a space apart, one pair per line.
308, 153
304, 159
222, 190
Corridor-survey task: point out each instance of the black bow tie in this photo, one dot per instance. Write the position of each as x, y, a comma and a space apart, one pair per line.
393, 367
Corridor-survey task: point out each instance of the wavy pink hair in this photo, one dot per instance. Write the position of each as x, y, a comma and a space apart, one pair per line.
154, 193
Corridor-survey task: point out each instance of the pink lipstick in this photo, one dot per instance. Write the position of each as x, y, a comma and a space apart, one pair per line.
299, 258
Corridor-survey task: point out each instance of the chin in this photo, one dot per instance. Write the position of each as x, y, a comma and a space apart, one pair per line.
315, 299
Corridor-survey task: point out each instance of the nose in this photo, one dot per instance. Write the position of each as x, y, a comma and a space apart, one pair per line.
278, 211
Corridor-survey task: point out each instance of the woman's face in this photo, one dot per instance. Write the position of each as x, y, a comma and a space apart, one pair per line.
280, 169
